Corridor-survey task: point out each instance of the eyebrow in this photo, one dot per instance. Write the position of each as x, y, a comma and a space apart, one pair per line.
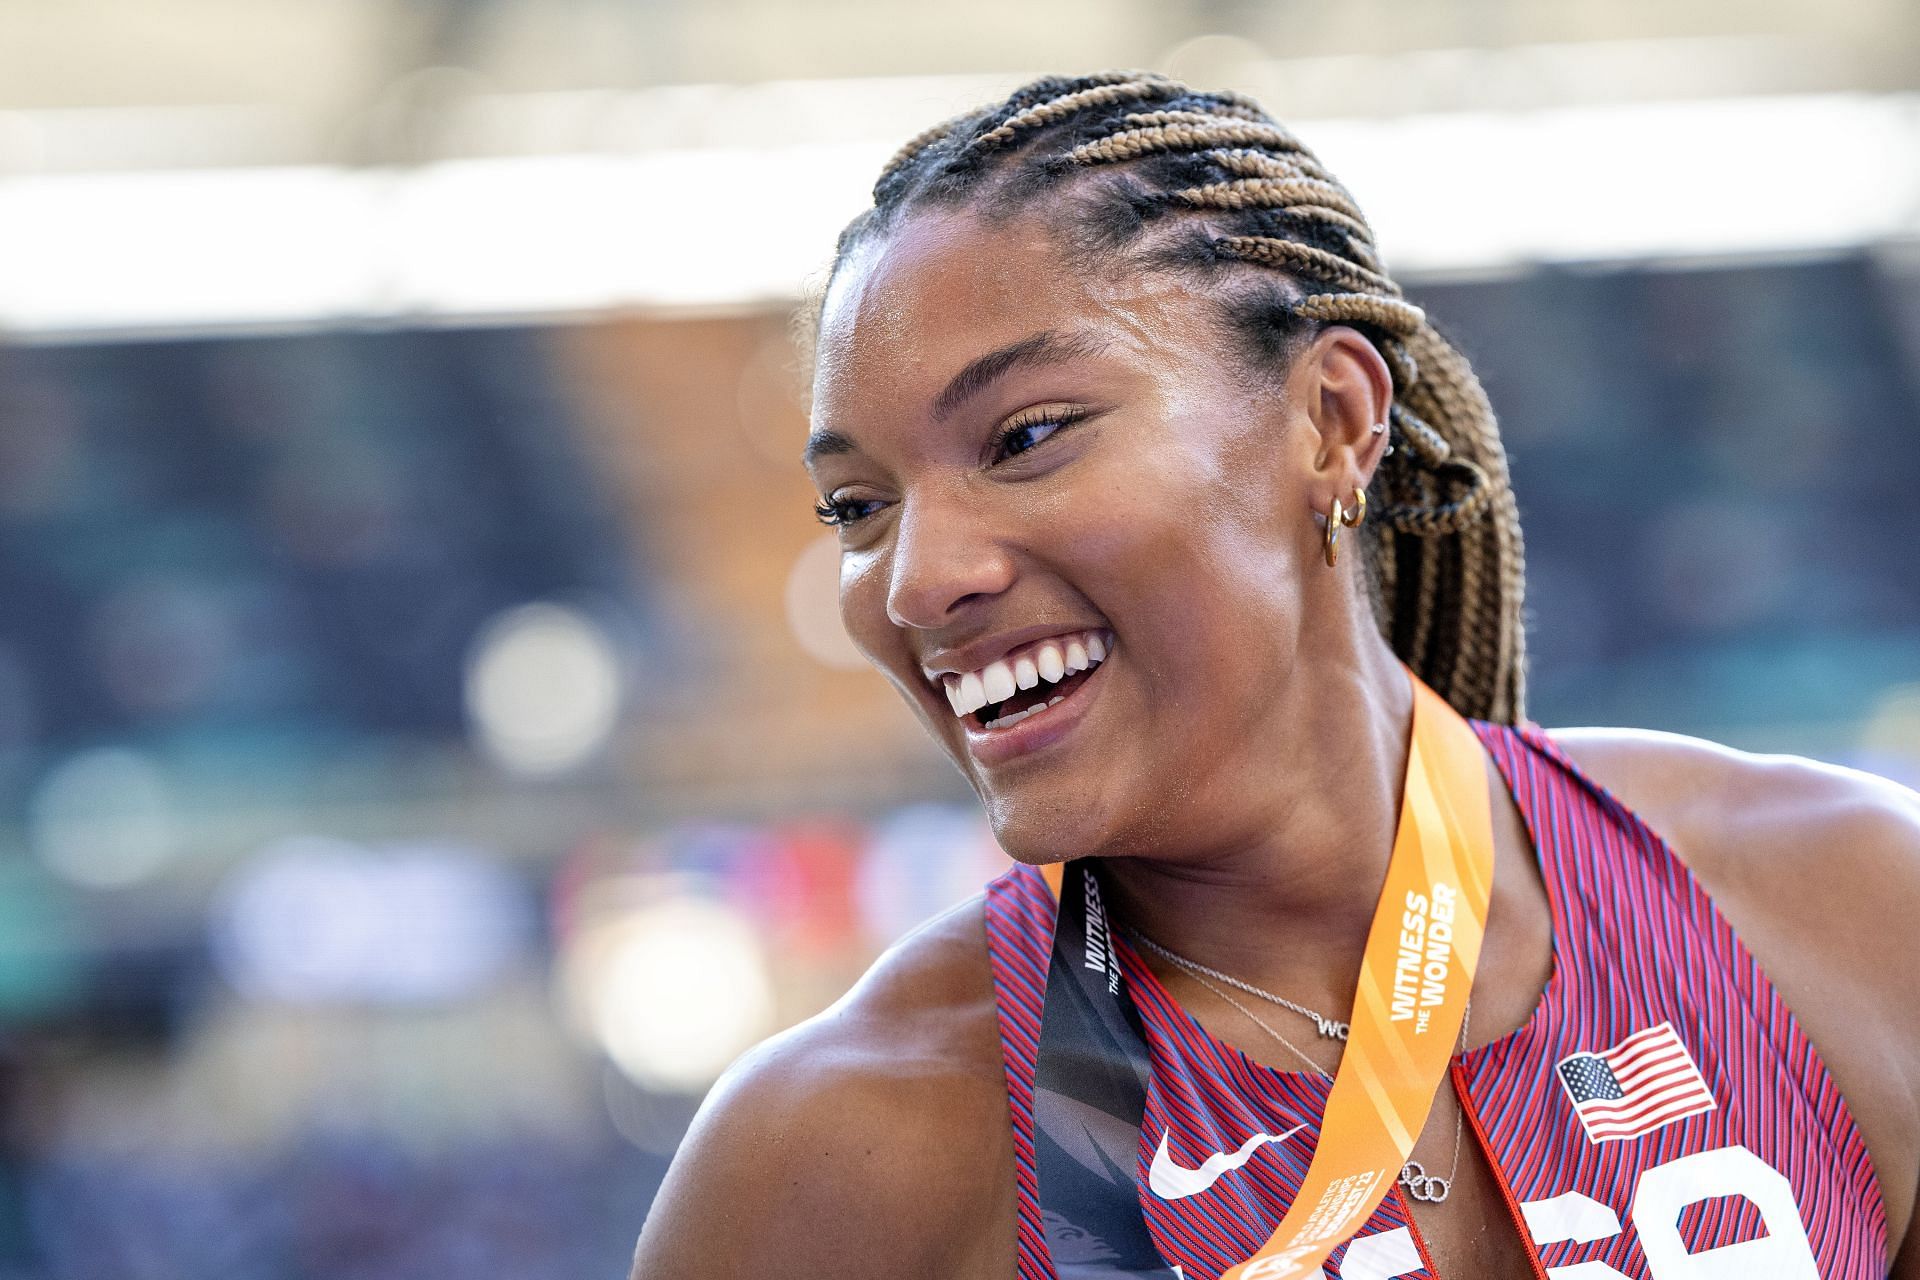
1036, 351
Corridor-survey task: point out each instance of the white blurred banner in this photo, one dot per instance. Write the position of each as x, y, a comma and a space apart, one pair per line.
169, 250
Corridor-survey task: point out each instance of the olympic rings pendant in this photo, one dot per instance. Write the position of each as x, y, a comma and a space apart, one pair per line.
1430, 1188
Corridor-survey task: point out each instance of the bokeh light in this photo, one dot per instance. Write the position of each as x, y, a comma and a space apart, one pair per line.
813, 606
543, 688
105, 819
673, 989
313, 919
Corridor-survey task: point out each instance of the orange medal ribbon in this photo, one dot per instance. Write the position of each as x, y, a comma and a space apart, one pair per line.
1422, 951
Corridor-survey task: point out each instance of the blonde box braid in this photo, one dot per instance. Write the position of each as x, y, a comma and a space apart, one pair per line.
1444, 553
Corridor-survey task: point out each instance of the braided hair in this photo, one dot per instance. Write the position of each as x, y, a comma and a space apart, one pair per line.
1207, 182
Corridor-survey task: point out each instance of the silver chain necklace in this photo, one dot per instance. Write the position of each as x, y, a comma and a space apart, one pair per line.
1421, 1185
1330, 1028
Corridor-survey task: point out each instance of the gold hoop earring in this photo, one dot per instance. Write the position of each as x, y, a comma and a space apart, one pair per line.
1353, 517
1335, 517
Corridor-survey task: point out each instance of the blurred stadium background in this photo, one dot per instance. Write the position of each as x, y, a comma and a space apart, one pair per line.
428, 751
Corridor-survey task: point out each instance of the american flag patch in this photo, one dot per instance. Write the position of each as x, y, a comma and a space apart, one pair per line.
1643, 1082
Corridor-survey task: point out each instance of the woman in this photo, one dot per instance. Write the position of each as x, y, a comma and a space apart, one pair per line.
1165, 511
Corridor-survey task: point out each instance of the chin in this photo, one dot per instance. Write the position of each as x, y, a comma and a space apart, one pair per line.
1041, 829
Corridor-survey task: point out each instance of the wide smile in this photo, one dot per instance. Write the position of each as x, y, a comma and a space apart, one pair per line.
1030, 698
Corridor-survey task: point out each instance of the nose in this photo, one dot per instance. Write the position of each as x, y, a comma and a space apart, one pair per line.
943, 561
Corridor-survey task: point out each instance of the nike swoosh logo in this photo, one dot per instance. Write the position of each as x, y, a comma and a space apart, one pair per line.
1172, 1180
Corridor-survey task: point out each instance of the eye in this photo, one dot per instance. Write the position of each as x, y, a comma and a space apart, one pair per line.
1032, 429
839, 513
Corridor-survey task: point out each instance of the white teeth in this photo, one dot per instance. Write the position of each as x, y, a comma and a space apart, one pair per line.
997, 680
1034, 710
1052, 665
973, 694
1050, 661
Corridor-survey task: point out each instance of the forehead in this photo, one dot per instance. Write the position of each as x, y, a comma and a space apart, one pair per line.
910, 307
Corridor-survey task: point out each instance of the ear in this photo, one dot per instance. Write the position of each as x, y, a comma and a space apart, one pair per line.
1344, 386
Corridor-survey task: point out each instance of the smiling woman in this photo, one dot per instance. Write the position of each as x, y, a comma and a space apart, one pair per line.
1322, 958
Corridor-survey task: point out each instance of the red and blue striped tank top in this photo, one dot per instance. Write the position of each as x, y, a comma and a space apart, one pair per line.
1660, 1115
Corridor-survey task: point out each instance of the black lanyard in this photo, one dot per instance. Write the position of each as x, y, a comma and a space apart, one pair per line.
1090, 1078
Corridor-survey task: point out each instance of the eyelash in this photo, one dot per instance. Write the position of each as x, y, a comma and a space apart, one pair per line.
834, 513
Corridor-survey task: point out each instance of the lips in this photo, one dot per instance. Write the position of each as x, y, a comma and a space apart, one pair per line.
1017, 731
1030, 669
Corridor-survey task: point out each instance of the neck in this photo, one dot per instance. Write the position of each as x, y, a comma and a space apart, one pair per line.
1287, 899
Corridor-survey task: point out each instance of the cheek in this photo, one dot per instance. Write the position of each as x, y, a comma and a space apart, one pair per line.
1245, 524
1190, 528
863, 605
1201, 573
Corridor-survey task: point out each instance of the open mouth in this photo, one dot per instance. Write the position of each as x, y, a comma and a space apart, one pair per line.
1026, 703
1028, 681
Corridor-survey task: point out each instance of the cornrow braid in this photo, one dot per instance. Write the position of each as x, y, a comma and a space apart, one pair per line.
1296, 195
1215, 184
1321, 264
1106, 90
1141, 140
913, 147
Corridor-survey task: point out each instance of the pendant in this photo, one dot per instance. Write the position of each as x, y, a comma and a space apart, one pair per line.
1329, 1029
1430, 1188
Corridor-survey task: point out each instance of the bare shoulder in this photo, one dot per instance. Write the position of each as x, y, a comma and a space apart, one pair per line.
1759, 823
871, 1139
1817, 868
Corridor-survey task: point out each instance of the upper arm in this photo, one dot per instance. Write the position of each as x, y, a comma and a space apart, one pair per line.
869, 1141
792, 1168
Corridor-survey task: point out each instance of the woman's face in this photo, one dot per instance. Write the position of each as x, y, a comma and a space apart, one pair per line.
1032, 465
